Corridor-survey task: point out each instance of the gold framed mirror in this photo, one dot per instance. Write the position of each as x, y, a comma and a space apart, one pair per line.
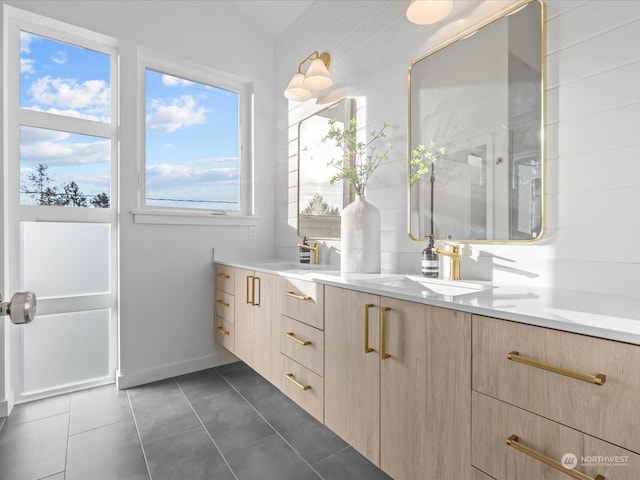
320, 204
476, 130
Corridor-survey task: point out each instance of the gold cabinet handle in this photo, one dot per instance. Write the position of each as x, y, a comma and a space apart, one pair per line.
367, 348
253, 292
598, 379
249, 301
295, 295
512, 441
222, 330
223, 275
220, 302
383, 354
290, 335
292, 379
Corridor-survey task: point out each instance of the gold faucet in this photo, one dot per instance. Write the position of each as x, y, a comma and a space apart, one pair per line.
314, 248
454, 256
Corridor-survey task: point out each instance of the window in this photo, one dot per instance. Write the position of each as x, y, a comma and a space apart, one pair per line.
196, 127
65, 124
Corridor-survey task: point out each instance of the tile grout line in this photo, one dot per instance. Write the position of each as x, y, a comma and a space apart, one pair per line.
205, 428
274, 428
66, 455
135, 422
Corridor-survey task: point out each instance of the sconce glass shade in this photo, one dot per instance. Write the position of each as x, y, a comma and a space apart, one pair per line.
296, 90
318, 76
425, 12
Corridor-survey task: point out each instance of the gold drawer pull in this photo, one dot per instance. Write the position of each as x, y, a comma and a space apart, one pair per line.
367, 348
223, 275
220, 302
598, 379
290, 335
383, 348
222, 330
512, 441
295, 295
292, 379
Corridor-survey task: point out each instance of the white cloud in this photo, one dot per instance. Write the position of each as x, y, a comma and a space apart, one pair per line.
26, 66
25, 42
181, 112
93, 95
171, 81
60, 58
211, 172
56, 148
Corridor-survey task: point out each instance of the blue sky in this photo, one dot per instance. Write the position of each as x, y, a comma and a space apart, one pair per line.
191, 129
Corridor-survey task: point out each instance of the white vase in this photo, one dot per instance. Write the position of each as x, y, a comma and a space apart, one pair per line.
360, 237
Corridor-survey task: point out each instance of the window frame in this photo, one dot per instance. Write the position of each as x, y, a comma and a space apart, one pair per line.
181, 68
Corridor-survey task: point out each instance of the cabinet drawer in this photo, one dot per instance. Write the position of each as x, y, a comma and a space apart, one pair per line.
303, 387
494, 422
303, 343
608, 411
303, 301
223, 333
224, 277
225, 306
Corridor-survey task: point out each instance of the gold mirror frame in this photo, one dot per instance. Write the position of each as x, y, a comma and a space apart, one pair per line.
462, 36
317, 225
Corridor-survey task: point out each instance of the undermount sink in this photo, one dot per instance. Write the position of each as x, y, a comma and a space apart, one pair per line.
430, 286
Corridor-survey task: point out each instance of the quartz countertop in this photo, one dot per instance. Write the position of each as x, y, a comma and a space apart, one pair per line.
612, 317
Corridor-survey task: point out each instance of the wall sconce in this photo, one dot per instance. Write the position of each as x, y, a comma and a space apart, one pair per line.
317, 78
425, 12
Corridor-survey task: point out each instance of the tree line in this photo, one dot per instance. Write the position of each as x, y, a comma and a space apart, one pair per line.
42, 192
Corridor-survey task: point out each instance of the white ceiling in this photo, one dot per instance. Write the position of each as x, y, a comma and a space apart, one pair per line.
272, 17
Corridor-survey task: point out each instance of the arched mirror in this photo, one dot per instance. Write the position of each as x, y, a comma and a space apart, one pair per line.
476, 148
320, 204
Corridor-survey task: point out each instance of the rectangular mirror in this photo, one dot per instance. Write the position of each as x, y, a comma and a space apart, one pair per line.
320, 204
476, 106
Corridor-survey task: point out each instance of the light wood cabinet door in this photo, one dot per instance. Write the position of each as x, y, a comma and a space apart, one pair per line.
266, 342
245, 290
425, 392
352, 377
224, 333
495, 422
224, 278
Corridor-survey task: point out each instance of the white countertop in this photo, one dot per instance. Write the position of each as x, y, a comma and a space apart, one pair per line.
606, 316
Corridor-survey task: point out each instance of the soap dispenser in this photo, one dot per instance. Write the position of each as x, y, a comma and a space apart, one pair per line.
305, 253
430, 261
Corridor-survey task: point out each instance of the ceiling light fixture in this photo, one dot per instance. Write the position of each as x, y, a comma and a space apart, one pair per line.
302, 87
425, 12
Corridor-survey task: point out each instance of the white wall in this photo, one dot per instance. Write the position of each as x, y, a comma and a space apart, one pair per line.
592, 141
166, 286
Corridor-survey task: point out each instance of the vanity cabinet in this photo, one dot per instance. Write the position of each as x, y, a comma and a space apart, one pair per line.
397, 377
257, 322
224, 307
543, 391
302, 344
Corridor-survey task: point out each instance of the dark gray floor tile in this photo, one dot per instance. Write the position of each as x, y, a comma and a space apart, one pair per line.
190, 455
231, 421
348, 464
270, 459
98, 407
34, 449
305, 434
57, 476
109, 453
48, 407
200, 385
246, 381
161, 410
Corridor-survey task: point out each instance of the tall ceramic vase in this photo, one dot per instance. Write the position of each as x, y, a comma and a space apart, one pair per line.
360, 237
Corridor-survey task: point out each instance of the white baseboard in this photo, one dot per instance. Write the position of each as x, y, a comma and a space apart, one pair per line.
169, 370
6, 405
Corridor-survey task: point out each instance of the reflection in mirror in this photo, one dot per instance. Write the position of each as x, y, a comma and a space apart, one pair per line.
477, 103
320, 204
